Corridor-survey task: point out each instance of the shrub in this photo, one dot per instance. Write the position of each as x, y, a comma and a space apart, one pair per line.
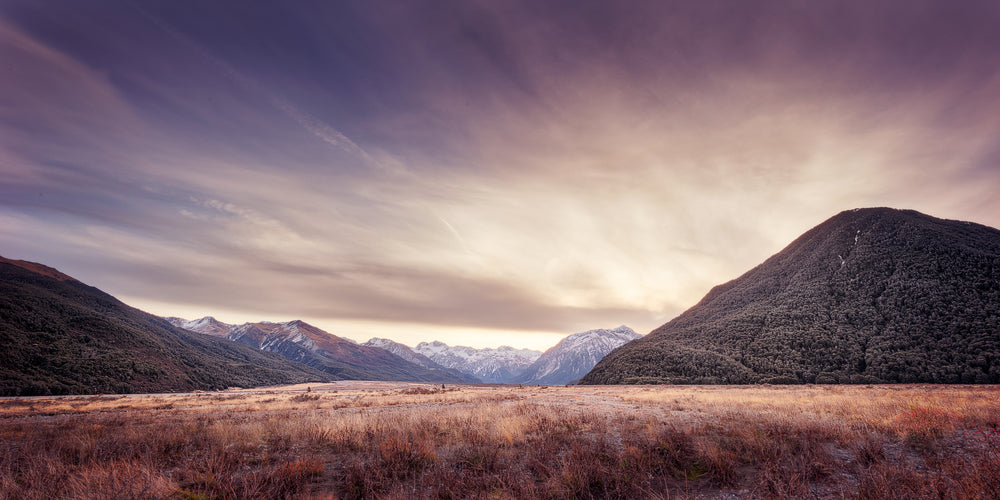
923, 426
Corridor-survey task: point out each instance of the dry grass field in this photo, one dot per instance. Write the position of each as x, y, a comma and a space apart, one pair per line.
400, 440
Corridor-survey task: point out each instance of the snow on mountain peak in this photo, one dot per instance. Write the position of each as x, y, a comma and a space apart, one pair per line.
490, 365
208, 325
568, 360
575, 355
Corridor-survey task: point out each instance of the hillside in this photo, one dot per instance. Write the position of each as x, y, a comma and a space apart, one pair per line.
574, 356
304, 343
60, 336
870, 295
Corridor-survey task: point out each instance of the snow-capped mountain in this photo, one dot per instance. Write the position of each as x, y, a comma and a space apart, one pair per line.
574, 356
407, 353
269, 336
207, 325
402, 351
493, 366
307, 344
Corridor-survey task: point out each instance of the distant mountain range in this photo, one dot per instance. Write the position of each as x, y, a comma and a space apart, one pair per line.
563, 363
574, 356
870, 295
427, 362
408, 354
493, 366
60, 336
301, 342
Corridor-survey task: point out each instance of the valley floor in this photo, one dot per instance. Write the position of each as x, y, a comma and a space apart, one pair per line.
405, 440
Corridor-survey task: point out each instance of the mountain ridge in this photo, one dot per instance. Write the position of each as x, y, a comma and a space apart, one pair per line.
574, 356
299, 341
37, 268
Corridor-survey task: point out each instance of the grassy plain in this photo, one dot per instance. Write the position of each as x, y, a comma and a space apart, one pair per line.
403, 440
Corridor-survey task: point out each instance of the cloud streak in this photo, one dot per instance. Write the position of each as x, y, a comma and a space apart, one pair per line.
474, 166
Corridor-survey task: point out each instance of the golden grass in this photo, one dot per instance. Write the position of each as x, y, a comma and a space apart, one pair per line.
859, 407
385, 440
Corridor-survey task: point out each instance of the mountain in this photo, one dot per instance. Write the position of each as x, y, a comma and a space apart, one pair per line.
402, 351
406, 353
207, 325
493, 366
574, 356
301, 342
870, 295
60, 336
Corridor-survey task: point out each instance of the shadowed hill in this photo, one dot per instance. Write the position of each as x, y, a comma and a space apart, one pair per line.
870, 295
60, 336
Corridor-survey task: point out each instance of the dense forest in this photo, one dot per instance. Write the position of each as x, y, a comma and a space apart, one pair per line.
60, 336
869, 296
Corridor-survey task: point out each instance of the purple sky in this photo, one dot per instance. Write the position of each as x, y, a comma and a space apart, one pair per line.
481, 173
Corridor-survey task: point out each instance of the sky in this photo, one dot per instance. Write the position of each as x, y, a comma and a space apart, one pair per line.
476, 172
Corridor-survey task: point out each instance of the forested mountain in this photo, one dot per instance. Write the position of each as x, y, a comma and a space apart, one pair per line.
870, 295
304, 343
60, 336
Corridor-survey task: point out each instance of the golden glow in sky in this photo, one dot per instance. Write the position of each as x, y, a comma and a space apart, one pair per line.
477, 173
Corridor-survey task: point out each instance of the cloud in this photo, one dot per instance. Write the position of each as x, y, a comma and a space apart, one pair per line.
537, 167
325, 132
310, 123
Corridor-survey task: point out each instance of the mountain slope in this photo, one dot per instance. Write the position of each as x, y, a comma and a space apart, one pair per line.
406, 353
312, 346
870, 295
493, 366
60, 336
574, 356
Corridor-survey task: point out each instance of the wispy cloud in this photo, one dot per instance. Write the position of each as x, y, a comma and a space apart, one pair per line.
323, 131
310, 123
477, 166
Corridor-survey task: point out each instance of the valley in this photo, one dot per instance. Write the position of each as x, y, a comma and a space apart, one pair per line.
356, 439
499, 250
